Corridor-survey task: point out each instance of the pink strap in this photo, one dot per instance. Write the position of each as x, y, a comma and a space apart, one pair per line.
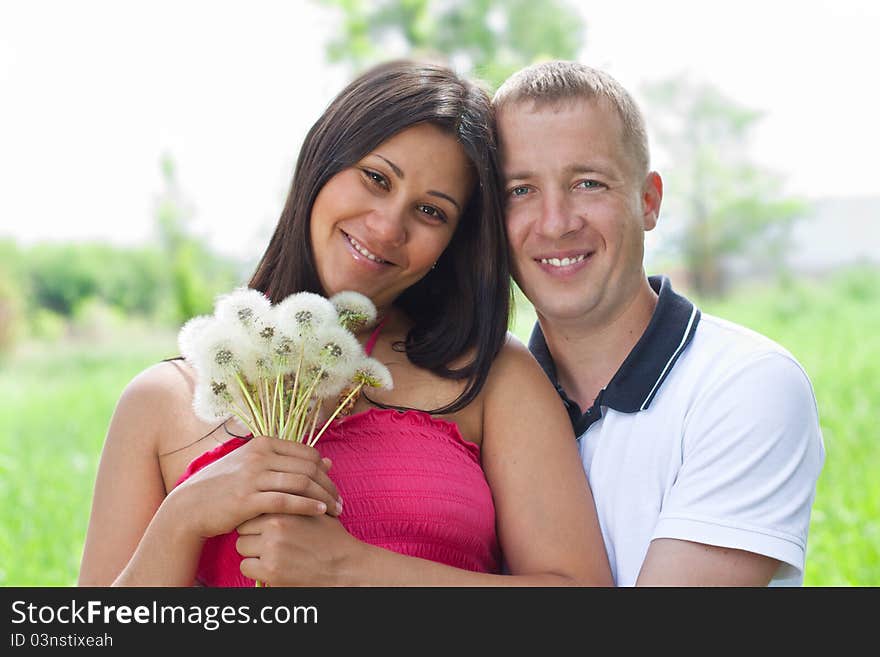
368, 348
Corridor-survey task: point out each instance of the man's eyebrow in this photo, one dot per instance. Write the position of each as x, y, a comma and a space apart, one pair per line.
446, 196
393, 166
584, 168
577, 167
518, 175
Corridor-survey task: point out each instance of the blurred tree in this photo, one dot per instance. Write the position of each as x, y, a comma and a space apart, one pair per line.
197, 274
489, 39
62, 276
12, 295
731, 210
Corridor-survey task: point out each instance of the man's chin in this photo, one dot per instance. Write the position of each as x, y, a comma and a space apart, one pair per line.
561, 311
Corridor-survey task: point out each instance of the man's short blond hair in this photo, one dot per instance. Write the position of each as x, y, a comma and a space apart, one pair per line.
555, 82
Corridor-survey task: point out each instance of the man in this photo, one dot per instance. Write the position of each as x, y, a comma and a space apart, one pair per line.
700, 438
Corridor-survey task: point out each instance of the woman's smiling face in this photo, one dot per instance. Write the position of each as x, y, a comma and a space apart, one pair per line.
378, 226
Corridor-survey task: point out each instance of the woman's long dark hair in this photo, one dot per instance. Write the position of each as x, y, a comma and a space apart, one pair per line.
462, 303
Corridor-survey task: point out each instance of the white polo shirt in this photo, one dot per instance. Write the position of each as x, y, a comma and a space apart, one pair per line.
708, 432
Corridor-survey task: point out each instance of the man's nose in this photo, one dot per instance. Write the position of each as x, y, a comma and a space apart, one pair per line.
558, 217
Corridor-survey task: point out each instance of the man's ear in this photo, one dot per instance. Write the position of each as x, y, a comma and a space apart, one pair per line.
652, 195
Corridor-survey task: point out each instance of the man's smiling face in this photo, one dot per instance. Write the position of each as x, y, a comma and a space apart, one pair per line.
577, 208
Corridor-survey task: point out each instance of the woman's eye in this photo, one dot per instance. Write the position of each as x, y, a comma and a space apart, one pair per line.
433, 212
376, 178
519, 191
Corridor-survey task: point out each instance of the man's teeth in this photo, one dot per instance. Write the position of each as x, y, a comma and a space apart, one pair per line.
363, 251
562, 262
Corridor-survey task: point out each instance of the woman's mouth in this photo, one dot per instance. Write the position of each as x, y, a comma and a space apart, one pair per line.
361, 250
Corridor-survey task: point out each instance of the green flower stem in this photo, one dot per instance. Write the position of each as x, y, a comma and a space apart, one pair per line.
339, 408
279, 387
268, 412
295, 426
300, 429
293, 415
315, 417
284, 432
250, 401
242, 415
276, 393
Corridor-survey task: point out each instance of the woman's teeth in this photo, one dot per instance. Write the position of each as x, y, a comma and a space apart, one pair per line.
360, 249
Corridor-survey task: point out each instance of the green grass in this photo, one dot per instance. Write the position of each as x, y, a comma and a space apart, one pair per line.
56, 402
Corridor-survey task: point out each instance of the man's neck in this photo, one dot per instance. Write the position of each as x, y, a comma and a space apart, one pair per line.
587, 353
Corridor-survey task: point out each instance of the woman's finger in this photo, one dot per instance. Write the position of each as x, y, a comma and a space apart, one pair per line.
313, 484
313, 471
276, 502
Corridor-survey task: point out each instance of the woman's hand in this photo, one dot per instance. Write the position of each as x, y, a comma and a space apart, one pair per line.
264, 476
288, 550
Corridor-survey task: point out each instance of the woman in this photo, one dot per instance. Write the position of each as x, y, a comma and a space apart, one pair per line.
396, 195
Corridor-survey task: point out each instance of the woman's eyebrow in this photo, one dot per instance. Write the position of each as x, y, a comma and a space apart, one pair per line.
399, 173
447, 197
393, 166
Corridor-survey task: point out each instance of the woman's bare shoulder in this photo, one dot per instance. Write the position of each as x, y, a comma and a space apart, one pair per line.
159, 400
518, 382
163, 385
515, 363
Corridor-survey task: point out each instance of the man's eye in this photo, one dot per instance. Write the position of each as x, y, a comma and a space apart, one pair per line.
433, 212
590, 184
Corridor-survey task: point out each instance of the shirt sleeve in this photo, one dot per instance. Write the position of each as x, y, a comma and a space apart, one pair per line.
752, 452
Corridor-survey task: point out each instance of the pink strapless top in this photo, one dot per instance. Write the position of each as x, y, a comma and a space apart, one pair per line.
409, 483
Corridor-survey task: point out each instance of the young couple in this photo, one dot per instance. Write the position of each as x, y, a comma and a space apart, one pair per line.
640, 442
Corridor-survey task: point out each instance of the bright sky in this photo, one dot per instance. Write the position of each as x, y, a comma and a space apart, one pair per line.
92, 93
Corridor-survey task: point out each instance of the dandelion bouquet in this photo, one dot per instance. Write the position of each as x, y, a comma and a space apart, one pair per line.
273, 366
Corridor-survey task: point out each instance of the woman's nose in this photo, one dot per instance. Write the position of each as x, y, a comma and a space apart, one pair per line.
387, 224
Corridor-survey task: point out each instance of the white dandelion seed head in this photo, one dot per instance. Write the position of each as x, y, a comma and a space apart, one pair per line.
337, 349
257, 360
221, 348
189, 337
374, 374
212, 401
331, 384
265, 328
302, 314
244, 305
285, 349
355, 310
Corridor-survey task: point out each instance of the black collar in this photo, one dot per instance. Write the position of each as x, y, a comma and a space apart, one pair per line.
635, 384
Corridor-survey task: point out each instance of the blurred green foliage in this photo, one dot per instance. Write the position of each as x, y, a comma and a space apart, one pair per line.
60, 283
196, 275
11, 297
489, 39
61, 276
51, 289
727, 206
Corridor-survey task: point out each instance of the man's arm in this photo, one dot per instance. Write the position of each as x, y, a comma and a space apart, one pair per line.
740, 506
672, 562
